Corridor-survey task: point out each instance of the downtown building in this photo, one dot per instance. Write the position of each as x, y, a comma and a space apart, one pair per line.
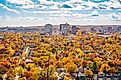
74, 30
48, 29
65, 29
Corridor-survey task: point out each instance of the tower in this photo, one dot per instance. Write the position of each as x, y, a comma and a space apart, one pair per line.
74, 30
64, 29
48, 29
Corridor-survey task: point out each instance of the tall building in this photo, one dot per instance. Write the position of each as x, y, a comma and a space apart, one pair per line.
110, 29
56, 30
93, 29
64, 29
74, 30
48, 29
119, 28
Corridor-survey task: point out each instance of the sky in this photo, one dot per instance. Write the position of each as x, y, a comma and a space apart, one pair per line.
75, 12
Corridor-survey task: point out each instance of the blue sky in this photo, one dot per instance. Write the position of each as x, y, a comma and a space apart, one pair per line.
40, 12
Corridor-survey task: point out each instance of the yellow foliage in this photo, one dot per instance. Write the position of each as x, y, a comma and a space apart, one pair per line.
19, 70
36, 60
97, 59
10, 51
104, 67
66, 60
71, 67
1, 46
30, 65
66, 78
88, 73
112, 70
72, 53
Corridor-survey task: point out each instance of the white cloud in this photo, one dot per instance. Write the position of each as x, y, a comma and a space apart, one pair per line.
94, 13
24, 18
33, 21
75, 4
115, 17
27, 6
2, 19
33, 6
53, 12
8, 9
20, 1
46, 12
115, 4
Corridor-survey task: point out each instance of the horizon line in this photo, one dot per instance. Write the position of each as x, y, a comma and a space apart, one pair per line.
41, 25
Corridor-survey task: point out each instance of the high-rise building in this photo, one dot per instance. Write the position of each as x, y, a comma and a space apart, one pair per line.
56, 30
110, 29
119, 28
92, 29
64, 29
48, 29
74, 30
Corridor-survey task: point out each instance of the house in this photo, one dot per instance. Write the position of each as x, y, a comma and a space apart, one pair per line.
2, 36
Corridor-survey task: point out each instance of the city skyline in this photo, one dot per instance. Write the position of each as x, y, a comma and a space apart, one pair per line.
65, 29
75, 12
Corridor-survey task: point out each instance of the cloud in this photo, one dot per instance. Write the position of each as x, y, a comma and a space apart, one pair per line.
95, 13
29, 6
47, 12
26, 18
8, 9
1, 18
20, 1
69, 4
115, 17
81, 19
115, 5
73, 11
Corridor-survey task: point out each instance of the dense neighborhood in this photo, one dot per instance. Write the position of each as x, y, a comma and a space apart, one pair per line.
60, 53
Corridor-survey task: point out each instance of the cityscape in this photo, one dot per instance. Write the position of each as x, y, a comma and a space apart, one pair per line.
60, 52
60, 39
65, 29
